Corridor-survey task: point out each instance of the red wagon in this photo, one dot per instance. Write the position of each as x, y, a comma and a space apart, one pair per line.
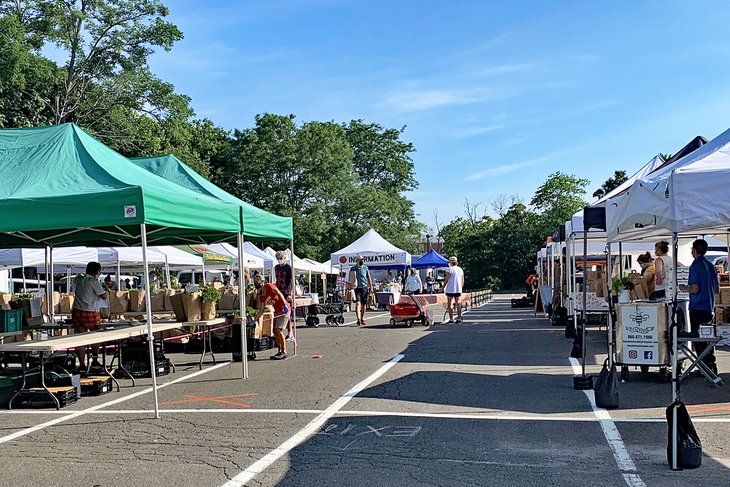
410, 310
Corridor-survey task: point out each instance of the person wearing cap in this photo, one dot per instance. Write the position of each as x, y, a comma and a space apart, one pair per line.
453, 287
362, 283
269, 295
284, 275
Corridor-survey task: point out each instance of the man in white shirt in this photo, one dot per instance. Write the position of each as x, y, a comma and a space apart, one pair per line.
453, 287
413, 283
85, 312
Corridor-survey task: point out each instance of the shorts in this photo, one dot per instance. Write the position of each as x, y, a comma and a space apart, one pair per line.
280, 322
453, 295
88, 320
362, 294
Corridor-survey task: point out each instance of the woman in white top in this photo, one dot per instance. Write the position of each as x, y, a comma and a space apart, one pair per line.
453, 287
664, 271
413, 282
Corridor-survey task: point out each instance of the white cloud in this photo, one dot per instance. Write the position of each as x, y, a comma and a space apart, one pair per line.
508, 168
474, 131
407, 101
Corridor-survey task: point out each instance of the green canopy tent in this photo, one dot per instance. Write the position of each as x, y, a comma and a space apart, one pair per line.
258, 224
61, 187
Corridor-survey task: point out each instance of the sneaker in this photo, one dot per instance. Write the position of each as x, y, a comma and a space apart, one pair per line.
278, 356
459, 320
362, 322
358, 322
450, 321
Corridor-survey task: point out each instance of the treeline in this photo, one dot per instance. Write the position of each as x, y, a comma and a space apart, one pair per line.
335, 179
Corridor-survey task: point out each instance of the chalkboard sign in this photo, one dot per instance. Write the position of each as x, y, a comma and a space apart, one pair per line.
546, 296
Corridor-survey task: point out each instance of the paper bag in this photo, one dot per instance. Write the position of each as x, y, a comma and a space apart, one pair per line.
56, 301
5, 300
266, 322
136, 300
207, 311
66, 303
186, 306
168, 294
228, 299
118, 302
157, 301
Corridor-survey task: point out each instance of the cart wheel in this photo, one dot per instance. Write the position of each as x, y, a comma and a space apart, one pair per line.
624, 373
328, 320
392, 322
315, 322
644, 369
665, 375
424, 321
340, 320
409, 323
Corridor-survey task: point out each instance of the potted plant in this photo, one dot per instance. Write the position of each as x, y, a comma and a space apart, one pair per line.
210, 296
622, 287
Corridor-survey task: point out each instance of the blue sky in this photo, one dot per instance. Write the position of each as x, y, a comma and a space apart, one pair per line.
495, 96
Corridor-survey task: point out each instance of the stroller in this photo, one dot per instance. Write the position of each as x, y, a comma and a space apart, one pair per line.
409, 313
332, 310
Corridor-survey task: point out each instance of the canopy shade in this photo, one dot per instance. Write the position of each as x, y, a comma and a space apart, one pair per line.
62, 187
687, 197
69, 256
377, 252
431, 259
257, 223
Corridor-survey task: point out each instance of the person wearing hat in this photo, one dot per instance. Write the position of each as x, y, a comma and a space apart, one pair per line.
362, 283
453, 287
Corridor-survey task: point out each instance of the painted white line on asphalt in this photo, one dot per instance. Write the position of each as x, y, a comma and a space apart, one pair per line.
368, 317
83, 412
633, 480
613, 437
259, 466
474, 416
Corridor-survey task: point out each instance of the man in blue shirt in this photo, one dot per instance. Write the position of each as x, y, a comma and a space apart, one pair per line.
701, 286
362, 283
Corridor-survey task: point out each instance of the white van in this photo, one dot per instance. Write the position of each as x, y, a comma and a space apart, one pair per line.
196, 276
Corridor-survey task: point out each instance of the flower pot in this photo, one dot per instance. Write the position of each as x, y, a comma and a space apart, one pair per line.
624, 296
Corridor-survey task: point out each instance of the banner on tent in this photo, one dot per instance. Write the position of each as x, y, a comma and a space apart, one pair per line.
390, 258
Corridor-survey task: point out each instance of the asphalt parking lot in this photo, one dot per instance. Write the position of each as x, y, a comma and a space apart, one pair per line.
486, 402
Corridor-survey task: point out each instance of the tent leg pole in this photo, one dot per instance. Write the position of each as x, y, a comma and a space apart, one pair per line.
675, 378
293, 300
22, 271
68, 279
49, 272
242, 308
609, 326
167, 273
585, 299
119, 273
148, 307
621, 260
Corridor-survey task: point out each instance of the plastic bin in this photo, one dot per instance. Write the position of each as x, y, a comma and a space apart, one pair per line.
11, 320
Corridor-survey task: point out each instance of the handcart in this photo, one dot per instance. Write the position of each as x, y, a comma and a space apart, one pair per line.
642, 337
332, 310
410, 309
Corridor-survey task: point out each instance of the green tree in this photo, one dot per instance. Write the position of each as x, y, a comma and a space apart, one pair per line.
106, 45
618, 178
27, 80
557, 200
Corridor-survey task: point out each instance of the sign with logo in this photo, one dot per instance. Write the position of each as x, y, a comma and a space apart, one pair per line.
639, 334
130, 211
375, 259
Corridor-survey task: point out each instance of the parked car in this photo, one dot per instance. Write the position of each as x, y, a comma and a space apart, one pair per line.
196, 277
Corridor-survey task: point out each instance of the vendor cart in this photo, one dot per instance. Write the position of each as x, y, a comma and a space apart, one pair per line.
409, 310
642, 337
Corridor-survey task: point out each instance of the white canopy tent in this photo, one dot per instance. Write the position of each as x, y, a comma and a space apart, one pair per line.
62, 257
689, 196
299, 265
250, 261
377, 252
